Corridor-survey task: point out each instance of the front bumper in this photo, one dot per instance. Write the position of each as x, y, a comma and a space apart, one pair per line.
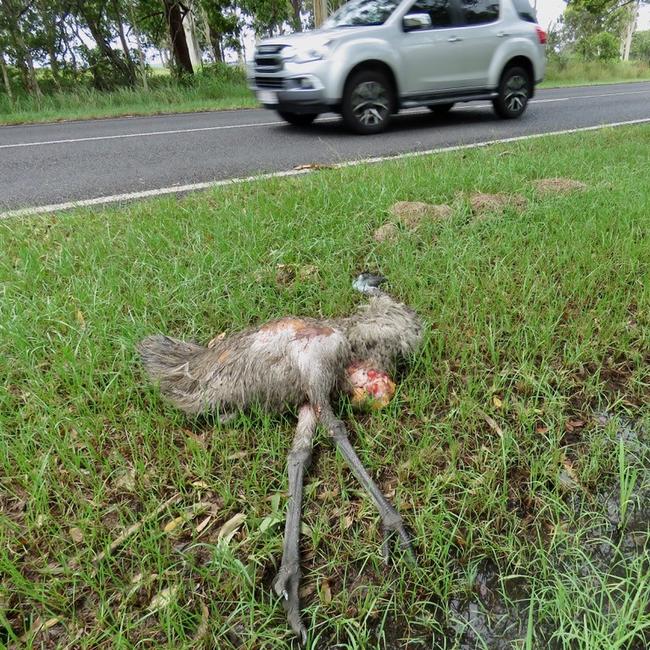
295, 93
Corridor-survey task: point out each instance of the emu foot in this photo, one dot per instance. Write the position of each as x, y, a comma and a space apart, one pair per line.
286, 586
390, 528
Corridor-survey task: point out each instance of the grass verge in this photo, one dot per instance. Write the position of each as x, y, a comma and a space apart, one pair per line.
566, 73
124, 524
207, 93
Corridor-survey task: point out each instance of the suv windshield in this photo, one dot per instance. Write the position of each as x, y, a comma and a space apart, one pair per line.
361, 12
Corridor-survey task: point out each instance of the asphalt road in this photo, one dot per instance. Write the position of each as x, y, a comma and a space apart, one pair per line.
55, 163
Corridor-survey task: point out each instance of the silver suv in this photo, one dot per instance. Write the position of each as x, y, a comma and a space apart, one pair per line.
373, 57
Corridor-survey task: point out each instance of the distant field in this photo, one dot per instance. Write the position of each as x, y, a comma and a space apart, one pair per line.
516, 448
208, 92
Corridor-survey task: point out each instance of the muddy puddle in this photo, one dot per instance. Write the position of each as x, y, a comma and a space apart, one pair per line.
611, 539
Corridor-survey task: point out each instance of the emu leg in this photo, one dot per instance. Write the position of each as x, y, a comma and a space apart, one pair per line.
392, 521
288, 579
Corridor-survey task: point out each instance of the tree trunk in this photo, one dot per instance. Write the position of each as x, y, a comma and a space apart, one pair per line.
630, 28
123, 41
5, 77
141, 59
296, 6
189, 25
174, 19
97, 32
27, 65
54, 68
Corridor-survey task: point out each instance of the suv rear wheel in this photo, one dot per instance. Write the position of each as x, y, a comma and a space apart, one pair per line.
514, 93
368, 102
298, 119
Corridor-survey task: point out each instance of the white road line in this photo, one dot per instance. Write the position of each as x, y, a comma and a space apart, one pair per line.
179, 189
257, 124
137, 135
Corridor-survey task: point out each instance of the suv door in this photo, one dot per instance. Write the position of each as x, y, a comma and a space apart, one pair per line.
429, 56
482, 32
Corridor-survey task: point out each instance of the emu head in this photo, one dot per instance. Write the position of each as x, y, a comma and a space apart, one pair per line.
382, 334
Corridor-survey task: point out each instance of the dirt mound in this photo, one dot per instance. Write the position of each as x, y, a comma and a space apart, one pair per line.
411, 213
481, 203
387, 232
559, 185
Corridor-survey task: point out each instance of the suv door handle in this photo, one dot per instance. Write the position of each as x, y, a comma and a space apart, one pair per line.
454, 39
502, 34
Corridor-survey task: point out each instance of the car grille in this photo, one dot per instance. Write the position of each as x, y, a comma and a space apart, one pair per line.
269, 82
268, 59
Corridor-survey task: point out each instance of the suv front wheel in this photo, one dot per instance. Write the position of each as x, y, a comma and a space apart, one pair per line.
514, 93
368, 102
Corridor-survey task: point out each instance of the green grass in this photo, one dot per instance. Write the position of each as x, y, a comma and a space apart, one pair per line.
546, 310
224, 89
570, 72
209, 92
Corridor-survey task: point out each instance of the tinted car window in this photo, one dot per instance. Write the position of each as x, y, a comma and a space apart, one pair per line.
361, 12
476, 12
439, 10
525, 11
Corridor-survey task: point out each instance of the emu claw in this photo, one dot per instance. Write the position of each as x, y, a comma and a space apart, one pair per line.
405, 542
286, 587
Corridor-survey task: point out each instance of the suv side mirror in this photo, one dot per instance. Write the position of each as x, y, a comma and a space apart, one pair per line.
415, 22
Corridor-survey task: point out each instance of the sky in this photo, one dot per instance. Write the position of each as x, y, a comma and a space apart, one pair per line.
548, 11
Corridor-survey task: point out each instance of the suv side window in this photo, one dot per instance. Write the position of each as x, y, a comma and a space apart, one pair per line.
477, 12
440, 11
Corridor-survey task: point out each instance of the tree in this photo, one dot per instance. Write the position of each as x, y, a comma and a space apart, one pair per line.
640, 49
16, 21
585, 21
175, 12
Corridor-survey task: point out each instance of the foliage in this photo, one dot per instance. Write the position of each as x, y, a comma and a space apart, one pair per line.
103, 37
641, 46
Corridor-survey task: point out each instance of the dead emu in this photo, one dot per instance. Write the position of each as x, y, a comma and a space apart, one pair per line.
304, 363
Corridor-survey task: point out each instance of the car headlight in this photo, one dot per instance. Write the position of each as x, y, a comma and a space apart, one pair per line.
306, 54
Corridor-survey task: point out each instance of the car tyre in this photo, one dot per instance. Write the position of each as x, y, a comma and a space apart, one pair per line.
298, 119
368, 102
514, 92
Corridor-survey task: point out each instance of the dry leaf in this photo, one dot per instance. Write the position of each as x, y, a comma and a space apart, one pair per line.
312, 166
229, 529
200, 484
574, 424
325, 592
80, 318
541, 429
202, 630
174, 523
201, 526
76, 535
349, 520
163, 598
496, 400
492, 424
237, 455
568, 478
